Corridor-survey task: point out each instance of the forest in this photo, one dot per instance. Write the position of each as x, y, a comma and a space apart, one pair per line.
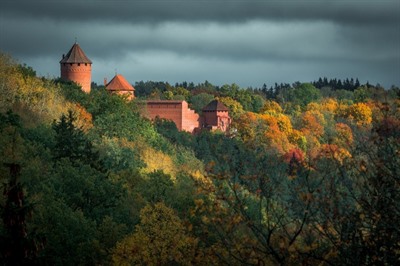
308, 175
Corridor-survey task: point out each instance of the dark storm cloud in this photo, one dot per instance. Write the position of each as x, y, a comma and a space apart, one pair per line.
339, 11
248, 42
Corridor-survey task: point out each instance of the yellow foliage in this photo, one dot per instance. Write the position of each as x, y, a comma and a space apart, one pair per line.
313, 107
297, 138
361, 113
34, 99
201, 180
330, 105
284, 123
159, 239
157, 160
234, 106
271, 107
246, 125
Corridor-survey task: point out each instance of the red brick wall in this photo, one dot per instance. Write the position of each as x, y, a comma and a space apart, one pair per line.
216, 120
177, 111
190, 119
209, 118
224, 120
79, 73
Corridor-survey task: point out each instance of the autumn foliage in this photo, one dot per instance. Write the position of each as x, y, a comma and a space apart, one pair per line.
306, 176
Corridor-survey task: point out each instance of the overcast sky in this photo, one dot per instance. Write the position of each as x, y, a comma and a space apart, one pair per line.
248, 42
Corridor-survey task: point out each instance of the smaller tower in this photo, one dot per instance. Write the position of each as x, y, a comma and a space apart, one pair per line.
121, 86
77, 67
216, 117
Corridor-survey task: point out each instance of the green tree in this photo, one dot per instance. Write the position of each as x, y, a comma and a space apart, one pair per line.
199, 101
304, 94
71, 142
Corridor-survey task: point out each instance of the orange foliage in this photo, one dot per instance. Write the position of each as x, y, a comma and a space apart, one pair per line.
344, 135
269, 129
330, 105
276, 132
83, 117
313, 123
284, 123
333, 151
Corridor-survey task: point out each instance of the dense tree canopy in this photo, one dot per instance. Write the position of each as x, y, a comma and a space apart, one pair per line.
308, 175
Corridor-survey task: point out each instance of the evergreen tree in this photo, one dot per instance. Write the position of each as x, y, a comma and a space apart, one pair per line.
71, 142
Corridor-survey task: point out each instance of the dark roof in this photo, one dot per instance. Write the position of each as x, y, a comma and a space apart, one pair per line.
119, 83
215, 106
164, 101
75, 55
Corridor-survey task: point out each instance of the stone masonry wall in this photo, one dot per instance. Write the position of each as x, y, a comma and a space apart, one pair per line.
79, 73
177, 111
216, 120
190, 119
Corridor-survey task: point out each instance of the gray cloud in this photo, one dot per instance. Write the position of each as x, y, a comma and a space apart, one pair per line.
248, 42
341, 11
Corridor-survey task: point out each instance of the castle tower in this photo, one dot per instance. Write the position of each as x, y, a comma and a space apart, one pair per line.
216, 116
121, 86
77, 67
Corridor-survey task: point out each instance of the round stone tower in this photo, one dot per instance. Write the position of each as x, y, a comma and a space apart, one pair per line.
77, 67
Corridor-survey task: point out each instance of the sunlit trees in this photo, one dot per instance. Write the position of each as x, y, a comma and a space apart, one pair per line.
360, 113
159, 239
304, 180
235, 108
313, 123
271, 107
34, 99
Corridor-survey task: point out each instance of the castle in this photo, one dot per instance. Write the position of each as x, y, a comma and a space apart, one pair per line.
77, 67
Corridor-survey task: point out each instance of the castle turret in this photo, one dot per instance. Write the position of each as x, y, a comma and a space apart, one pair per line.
77, 67
120, 85
216, 116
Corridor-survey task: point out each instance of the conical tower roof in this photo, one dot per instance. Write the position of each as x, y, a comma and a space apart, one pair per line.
215, 106
119, 83
75, 55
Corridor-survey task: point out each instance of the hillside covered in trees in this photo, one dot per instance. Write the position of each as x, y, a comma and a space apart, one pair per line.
309, 174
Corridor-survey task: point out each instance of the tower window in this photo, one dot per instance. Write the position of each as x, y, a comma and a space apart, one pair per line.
79, 64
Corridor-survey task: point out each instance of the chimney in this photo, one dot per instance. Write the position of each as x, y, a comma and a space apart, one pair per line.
105, 81
63, 56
